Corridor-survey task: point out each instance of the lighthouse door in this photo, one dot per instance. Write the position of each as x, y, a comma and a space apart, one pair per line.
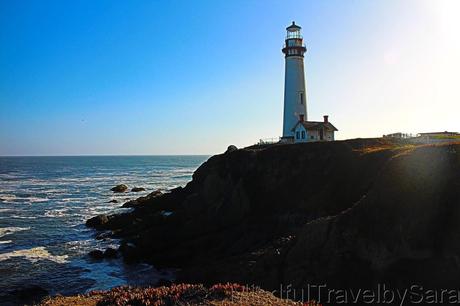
321, 134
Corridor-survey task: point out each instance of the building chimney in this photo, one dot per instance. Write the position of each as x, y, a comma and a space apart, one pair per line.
302, 117
326, 118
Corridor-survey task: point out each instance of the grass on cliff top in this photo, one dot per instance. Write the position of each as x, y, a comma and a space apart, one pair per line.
399, 146
447, 137
373, 149
177, 294
362, 145
372, 145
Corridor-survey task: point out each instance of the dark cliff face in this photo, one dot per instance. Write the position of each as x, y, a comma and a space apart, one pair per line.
405, 231
306, 213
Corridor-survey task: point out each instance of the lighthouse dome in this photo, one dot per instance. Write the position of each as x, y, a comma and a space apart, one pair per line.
293, 27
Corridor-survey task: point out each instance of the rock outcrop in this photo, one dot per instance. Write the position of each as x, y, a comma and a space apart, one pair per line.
27, 295
109, 253
119, 188
231, 148
143, 200
98, 222
96, 254
349, 213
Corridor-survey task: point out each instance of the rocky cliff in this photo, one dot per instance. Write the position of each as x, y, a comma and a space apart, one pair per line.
347, 213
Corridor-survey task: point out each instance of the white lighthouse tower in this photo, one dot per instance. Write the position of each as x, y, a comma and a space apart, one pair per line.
295, 99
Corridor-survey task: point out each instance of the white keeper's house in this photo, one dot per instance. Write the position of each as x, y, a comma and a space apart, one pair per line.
296, 127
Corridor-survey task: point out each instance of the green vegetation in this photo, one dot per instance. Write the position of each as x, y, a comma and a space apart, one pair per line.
446, 137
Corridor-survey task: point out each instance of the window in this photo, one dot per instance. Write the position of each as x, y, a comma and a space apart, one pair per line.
297, 135
301, 98
303, 134
311, 137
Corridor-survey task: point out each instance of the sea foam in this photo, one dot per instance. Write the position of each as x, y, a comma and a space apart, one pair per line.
34, 255
10, 230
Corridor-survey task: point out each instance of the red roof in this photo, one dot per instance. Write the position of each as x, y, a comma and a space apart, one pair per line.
316, 125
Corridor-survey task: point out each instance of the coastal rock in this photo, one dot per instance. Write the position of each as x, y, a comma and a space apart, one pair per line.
130, 252
163, 282
113, 201
231, 148
143, 200
110, 253
403, 232
96, 254
27, 295
97, 222
154, 194
104, 235
137, 189
120, 188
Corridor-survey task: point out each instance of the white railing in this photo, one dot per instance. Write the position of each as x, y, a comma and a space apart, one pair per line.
265, 141
400, 135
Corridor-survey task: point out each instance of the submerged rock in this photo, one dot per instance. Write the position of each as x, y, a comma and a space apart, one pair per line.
120, 188
113, 201
137, 189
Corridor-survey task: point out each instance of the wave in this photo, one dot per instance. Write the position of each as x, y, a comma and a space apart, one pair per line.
22, 217
56, 212
34, 255
11, 198
7, 197
10, 230
62, 193
37, 200
78, 243
9, 177
55, 190
183, 176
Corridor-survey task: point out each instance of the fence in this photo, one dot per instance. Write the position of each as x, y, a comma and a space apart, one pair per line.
265, 141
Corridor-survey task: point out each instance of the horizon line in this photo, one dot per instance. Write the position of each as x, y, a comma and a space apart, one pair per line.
104, 155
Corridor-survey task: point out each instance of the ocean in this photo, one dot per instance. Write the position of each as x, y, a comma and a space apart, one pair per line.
44, 203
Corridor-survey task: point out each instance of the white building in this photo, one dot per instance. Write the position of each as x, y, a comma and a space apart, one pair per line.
305, 131
296, 128
437, 137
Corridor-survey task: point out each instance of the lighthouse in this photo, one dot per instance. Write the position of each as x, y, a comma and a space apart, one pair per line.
296, 127
295, 98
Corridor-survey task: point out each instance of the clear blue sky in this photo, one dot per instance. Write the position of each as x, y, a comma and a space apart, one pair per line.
191, 77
